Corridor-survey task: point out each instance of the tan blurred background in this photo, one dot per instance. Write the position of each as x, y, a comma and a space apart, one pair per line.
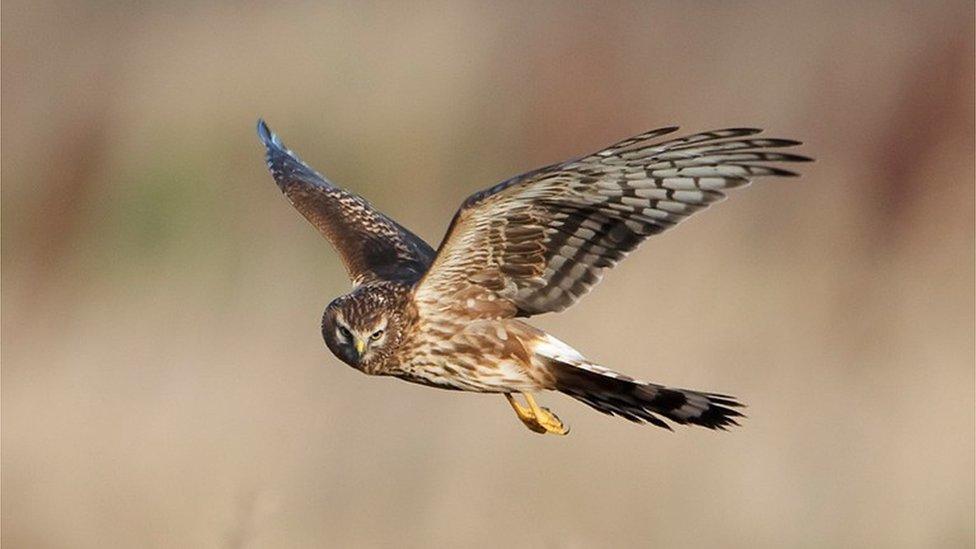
164, 383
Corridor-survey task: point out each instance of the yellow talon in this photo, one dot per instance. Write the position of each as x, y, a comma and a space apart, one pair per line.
536, 418
526, 415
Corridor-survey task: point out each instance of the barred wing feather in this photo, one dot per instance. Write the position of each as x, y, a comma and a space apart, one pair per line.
372, 246
538, 242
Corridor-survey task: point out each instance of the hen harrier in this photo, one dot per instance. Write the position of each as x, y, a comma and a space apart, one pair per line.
533, 244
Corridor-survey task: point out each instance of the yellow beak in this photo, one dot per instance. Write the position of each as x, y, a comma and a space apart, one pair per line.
360, 346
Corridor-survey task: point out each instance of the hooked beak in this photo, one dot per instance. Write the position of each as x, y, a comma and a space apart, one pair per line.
360, 347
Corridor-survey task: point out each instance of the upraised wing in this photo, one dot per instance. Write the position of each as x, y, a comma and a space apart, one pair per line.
372, 246
538, 242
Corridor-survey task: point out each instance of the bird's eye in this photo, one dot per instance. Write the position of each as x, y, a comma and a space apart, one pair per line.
344, 332
376, 335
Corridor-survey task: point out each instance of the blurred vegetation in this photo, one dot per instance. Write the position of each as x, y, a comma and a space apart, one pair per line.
164, 382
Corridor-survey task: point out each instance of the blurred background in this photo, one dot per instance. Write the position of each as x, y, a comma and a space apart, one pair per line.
164, 383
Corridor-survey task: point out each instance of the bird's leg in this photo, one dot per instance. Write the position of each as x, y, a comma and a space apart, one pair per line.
526, 415
535, 417
549, 421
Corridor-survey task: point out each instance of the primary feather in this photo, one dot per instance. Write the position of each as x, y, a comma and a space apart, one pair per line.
541, 240
372, 246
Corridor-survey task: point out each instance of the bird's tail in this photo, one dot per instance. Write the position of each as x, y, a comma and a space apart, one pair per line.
616, 394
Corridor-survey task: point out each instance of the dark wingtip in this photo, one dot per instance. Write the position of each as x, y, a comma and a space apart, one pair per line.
788, 157
267, 136
719, 417
740, 131
285, 166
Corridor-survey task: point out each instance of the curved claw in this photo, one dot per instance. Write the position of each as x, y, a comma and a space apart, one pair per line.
537, 418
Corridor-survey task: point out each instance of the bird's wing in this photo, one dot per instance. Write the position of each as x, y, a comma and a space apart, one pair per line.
372, 246
538, 242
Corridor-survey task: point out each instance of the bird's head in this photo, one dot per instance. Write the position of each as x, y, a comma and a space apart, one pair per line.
362, 328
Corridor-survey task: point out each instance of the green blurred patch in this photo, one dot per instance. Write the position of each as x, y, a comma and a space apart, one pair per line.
160, 211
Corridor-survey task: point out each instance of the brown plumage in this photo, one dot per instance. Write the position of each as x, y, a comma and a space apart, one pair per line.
535, 243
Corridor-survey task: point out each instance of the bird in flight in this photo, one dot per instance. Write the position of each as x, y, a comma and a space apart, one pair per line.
533, 244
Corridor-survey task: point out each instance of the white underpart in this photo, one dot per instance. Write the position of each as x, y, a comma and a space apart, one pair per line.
552, 348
